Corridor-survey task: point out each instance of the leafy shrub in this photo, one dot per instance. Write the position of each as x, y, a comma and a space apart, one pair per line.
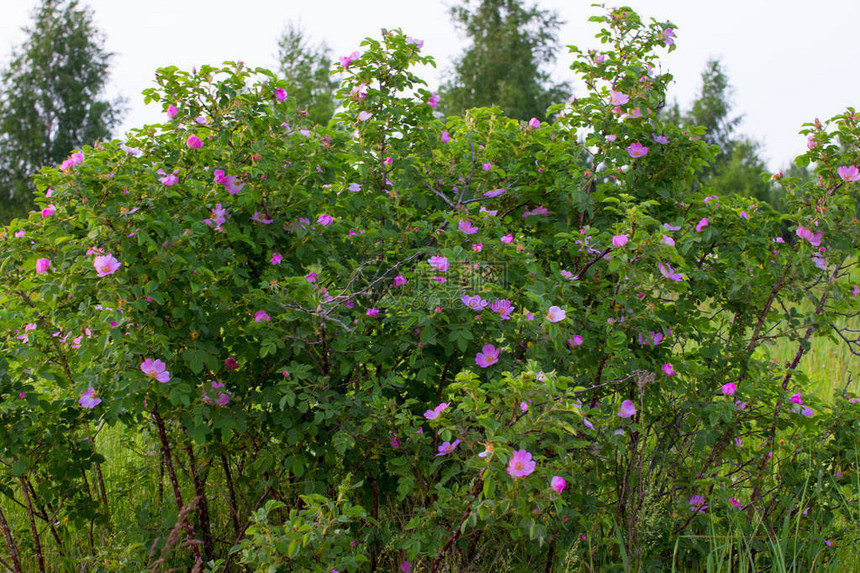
402, 341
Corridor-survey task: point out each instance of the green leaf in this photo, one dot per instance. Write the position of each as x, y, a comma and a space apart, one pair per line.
19, 467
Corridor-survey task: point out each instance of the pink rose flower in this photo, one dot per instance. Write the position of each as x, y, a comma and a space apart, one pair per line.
155, 369
637, 150
261, 217
88, 399
169, 180
668, 35
106, 265
437, 411
475, 302
668, 272
439, 263
447, 447
618, 98
697, 504
345, 61
467, 227
42, 265
848, 173
520, 464
555, 314
503, 307
809, 235
627, 409
488, 356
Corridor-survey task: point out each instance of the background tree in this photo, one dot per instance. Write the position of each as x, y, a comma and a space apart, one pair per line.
712, 107
307, 68
505, 65
52, 98
738, 167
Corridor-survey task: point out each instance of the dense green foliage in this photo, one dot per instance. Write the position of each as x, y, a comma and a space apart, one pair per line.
454, 343
52, 99
505, 64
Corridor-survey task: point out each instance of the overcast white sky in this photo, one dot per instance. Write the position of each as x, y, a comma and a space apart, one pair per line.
789, 60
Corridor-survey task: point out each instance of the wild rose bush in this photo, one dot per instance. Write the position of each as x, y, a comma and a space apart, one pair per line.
395, 341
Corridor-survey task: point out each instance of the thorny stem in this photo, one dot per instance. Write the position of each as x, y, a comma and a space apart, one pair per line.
764, 312
455, 533
177, 492
10, 542
234, 515
49, 519
791, 367
241, 534
37, 545
200, 492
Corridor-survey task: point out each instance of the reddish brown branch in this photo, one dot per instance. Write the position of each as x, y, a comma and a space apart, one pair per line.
203, 512
763, 316
173, 537
37, 545
800, 348
49, 519
455, 534
177, 492
10, 542
791, 367
234, 510
247, 525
